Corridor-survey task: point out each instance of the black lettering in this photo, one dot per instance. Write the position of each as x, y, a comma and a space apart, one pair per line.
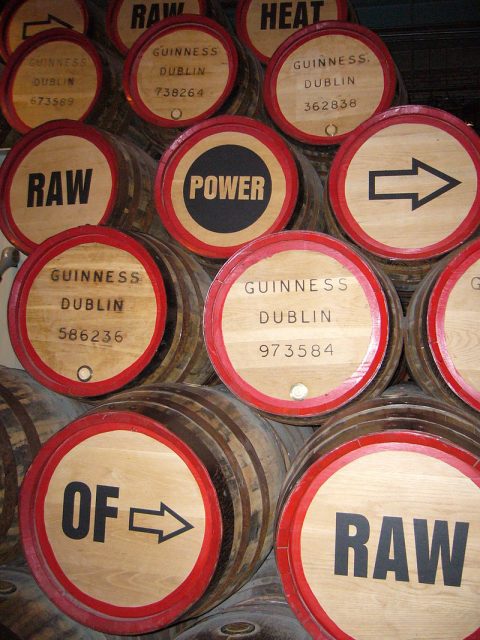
316, 9
55, 190
301, 16
103, 511
170, 9
78, 186
134, 277
138, 16
391, 532
153, 16
268, 18
285, 12
344, 541
122, 276
427, 559
36, 183
79, 531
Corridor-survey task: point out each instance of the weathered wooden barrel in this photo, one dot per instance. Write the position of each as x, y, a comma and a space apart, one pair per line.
183, 481
378, 524
405, 188
29, 415
230, 180
441, 336
299, 323
65, 174
61, 74
21, 19
94, 309
186, 69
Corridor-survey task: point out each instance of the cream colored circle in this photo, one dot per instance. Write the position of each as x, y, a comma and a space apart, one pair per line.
80, 197
105, 325
351, 85
326, 346
184, 72
461, 323
272, 208
54, 81
392, 221
409, 485
130, 568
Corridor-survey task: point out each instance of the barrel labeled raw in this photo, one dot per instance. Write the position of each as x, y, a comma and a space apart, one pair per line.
298, 324
326, 79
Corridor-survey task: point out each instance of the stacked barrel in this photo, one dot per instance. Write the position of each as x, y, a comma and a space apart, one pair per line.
249, 323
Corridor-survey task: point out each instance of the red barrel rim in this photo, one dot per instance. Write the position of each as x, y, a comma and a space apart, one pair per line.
292, 515
436, 334
24, 146
75, 603
173, 155
265, 247
405, 114
22, 284
241, 12
135, 54
8, 76
331, 27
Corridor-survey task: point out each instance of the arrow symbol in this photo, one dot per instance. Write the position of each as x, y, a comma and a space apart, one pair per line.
42, 23
162, 537
380, 188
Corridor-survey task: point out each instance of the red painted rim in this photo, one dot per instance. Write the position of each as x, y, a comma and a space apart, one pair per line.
17, 57
9, 11
20, 151
241, 14
19, 298
287, 546
184, 143
41, 558
341, 163
437, 338
136, 53
327, 28
263, 248
111, 23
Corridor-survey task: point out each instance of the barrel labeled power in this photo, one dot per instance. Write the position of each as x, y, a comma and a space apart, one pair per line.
264, 26
383, 513
298, 324
326, 79
232, 179
65, 174
21, 20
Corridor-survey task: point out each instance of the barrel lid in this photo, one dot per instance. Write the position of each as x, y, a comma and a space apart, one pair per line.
406, 184
120, 522
127, 20
389, 523
180, 71
264, 26
87, 311
326, 79
296, 323
453, 320
58, 175
21, 19
54, 75
225, 182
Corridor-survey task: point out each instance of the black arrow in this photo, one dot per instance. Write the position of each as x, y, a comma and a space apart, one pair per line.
161, 512
417, 202
41, 23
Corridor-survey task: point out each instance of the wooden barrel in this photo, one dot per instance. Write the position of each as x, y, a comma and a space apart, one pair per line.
94, 309
61, 74
378, 524
186, 69
230, 180
395, 190
441, 337
29, 415
184, 479
64, 174
299, 323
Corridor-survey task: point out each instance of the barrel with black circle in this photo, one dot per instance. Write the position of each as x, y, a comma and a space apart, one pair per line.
231, 179
65, 174
94, 309
61, 74
29, 416
405, 188
380, 509
186, 69
298, 323
188, 477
